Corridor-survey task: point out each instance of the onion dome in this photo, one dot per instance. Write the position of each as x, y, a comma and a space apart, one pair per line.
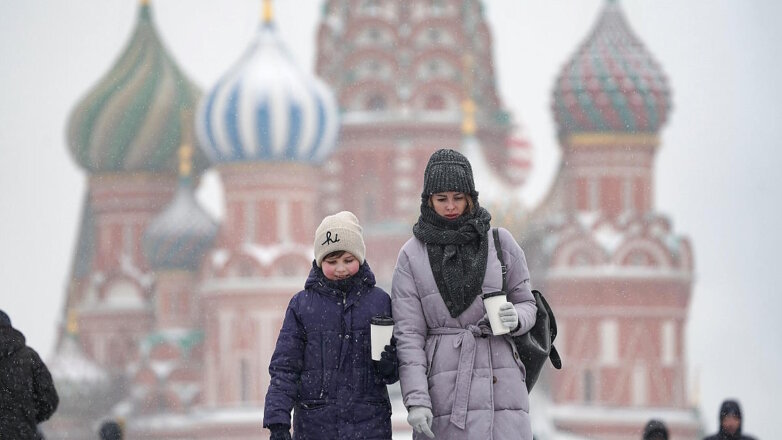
266, 108
183, 232
612, 83
132, 119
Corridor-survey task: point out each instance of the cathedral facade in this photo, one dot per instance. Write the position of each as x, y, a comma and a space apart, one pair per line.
176, 314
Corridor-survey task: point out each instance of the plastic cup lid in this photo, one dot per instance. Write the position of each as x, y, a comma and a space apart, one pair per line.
382, 320
491, 294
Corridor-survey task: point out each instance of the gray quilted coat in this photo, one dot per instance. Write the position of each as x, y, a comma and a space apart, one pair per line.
472, 381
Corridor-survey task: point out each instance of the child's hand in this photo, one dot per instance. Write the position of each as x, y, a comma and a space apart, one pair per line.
388, 365
509, 316
280, 432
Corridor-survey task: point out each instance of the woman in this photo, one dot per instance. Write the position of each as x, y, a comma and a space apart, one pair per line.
458, 380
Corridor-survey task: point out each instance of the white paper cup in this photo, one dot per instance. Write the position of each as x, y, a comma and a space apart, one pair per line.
381, 329
492, 303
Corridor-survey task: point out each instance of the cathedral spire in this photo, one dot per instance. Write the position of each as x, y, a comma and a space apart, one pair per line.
72, 324
185, 152
468, 103
267, 14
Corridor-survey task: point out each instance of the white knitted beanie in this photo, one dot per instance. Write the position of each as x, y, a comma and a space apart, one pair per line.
339, 232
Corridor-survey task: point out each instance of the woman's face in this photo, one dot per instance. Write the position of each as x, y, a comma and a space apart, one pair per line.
449, 204
341, 267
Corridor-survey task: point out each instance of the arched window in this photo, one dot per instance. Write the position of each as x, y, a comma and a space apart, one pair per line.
434, 102
244, 380
246, 269
581, 258
639, 258
589, 387
434, 35
376, 102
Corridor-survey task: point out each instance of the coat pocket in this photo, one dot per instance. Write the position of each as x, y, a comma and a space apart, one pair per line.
517, 358
312, 404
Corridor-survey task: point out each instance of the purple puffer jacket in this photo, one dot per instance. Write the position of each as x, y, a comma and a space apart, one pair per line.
322, 366
472, 381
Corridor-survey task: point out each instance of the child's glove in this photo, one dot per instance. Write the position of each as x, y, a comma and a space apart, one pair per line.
388, 365
509, 316
280, 432
420, 418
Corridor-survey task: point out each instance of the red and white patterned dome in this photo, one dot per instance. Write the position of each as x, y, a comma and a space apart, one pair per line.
612, 83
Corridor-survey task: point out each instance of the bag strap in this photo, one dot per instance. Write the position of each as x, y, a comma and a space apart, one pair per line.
540, 302
498, 247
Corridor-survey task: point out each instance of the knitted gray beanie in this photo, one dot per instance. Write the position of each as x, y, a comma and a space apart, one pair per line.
448, 170
339, 232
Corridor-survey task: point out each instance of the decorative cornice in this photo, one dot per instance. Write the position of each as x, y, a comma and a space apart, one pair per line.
610, 139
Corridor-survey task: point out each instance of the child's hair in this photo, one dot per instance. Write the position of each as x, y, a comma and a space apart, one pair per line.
470, 203
335, 254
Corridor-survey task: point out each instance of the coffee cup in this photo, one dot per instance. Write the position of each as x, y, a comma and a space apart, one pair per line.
492, 302
381, 329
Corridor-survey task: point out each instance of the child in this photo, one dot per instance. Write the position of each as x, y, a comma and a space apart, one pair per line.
322, 366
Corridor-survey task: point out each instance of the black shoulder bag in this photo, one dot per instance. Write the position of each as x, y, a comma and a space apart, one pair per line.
537, 345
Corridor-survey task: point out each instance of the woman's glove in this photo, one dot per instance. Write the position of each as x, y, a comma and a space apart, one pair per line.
509, 316
280, 431
420, 418
388, 365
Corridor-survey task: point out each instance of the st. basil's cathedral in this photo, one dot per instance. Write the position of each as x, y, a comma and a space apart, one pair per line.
171, 316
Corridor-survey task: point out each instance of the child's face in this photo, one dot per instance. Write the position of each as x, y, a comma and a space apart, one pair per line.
339, 268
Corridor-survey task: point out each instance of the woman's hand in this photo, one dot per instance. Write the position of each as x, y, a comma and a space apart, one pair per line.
420, 418
509, 316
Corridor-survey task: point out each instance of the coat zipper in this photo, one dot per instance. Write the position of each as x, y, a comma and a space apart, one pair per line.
322, 366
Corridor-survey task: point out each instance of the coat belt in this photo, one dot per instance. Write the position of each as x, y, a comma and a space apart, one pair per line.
467, 342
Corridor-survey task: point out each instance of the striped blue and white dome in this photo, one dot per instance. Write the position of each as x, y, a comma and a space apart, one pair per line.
267, 109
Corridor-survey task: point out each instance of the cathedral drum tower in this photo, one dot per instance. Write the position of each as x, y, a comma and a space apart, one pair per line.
616, 274
125, 134
396, 68
267, 125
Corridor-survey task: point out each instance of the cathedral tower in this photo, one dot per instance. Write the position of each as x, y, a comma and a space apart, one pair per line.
267, 125
125, 134
617, 275
397, 70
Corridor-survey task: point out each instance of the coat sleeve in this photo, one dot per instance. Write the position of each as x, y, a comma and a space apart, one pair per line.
410, 330
44, 393
285, 369
519, 290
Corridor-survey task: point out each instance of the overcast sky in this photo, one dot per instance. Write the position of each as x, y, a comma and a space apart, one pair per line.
717, 172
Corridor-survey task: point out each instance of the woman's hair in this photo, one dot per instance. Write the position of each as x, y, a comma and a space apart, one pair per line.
470, 204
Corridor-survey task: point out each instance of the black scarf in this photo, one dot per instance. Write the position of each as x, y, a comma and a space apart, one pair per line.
347, 285
457, 252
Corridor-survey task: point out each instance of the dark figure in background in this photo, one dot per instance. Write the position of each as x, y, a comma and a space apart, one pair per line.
110, 430
730, 423
27, 394
655, 430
